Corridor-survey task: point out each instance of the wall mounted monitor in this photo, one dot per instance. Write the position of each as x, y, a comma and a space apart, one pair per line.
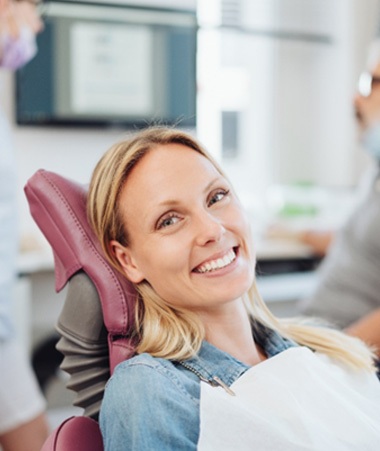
110, 65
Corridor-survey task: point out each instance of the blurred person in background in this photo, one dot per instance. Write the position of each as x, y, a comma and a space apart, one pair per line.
348, 280
23, 425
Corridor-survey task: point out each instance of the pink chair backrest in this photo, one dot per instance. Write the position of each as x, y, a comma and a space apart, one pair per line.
58, 206
75, 434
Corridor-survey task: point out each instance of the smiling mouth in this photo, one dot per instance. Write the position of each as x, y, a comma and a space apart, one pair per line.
219, 263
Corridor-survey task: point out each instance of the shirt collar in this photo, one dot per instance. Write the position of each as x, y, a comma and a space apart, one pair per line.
211, 361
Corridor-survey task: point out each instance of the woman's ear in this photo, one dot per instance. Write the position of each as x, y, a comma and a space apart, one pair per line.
127, 262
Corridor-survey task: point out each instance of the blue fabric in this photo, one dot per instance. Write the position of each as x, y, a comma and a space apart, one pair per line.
153, 404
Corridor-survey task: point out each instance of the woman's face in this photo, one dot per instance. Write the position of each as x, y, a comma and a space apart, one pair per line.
189, 236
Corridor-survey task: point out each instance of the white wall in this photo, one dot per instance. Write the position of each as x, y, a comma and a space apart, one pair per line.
316, 138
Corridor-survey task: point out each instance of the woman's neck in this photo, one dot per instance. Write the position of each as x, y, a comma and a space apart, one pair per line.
230, 331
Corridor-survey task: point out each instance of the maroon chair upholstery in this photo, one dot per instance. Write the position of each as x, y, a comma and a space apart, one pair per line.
58, 206
75, 434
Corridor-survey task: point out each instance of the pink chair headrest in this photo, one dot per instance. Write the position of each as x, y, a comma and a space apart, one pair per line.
58, 206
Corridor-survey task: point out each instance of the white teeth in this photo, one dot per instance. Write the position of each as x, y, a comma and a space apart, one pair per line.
218, 264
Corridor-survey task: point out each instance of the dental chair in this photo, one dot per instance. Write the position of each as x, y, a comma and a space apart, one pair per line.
96, 325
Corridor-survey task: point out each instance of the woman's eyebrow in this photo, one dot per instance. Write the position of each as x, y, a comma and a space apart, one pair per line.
175, 202
209, 185
168, 203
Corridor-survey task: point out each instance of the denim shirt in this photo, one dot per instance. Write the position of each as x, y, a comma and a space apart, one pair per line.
154, 404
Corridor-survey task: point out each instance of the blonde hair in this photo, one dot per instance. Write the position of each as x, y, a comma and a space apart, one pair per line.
171, 332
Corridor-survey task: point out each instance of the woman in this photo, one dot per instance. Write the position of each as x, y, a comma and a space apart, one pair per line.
214, 370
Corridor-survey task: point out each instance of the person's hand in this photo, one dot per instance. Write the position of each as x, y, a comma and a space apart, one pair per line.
367, 329
318, 240
16, 14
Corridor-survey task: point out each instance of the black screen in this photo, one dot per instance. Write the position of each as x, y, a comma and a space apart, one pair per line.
108, 65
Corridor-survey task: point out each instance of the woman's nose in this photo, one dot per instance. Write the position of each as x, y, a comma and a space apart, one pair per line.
209, 228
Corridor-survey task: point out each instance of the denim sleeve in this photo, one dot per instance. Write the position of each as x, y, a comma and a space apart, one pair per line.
146, 407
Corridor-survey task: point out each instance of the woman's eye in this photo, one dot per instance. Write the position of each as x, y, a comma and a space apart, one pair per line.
167, 221
217, 197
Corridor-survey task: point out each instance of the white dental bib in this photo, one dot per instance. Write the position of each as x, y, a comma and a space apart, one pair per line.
296, 400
